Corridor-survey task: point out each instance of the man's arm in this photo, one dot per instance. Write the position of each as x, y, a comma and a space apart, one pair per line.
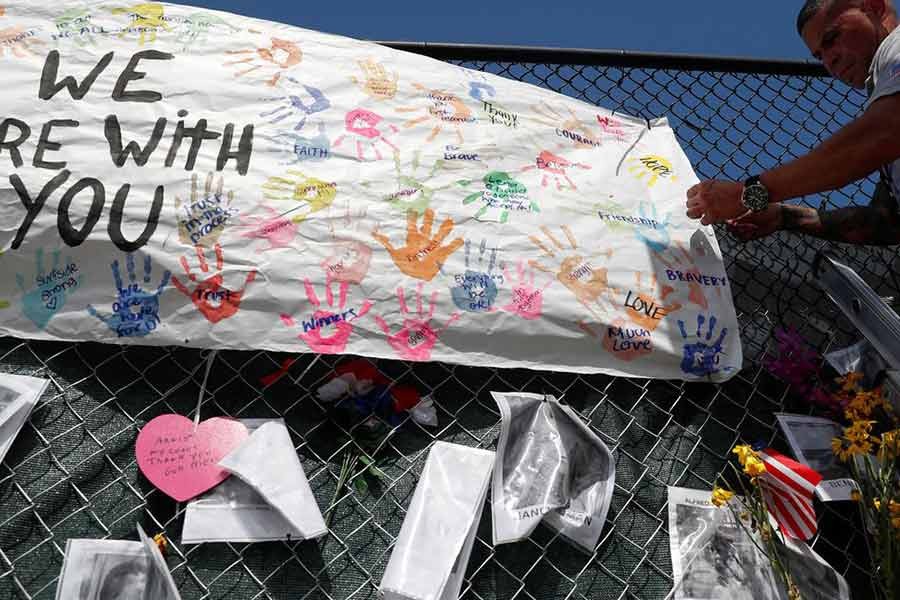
856, 150
877, 224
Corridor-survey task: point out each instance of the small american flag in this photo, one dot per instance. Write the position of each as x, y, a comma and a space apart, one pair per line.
788, 491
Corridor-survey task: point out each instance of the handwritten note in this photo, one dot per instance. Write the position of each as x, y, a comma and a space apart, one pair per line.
183, 462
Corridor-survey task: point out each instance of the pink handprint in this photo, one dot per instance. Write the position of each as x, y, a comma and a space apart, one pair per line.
527, 300
416, 338
276, 229
342, 320
362, 124
551, 165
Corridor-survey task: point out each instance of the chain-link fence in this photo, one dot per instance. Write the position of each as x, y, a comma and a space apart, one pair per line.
72, 473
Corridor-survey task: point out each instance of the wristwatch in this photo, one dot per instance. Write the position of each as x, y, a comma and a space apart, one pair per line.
755, 196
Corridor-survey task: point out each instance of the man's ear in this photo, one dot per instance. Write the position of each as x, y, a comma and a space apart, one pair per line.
876, 8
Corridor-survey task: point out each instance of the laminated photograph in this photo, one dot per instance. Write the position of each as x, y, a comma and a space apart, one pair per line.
810, 442
234, 512
550, 468
18, 397
714, 558
115, 570
435, 542
269, 464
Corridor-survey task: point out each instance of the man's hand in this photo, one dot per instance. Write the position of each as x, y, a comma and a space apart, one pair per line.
715, 201
754, 226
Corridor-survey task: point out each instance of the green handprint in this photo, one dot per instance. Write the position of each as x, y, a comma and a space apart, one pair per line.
501, 195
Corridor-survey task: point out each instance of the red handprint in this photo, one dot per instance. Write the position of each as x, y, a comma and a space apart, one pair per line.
527, 301
212, 299
552, 165
416, 338
342, 320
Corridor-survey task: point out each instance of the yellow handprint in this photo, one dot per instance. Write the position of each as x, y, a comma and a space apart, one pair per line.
378, 84
312, 194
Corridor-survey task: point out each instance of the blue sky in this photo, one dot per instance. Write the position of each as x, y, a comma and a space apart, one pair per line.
764, 28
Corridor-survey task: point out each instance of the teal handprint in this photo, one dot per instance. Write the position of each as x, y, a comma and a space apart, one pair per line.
651, 230
48, 291
135, 311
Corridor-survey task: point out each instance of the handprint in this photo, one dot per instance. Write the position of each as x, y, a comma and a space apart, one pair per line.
444, 110
378, 84
49, 290
20, 42
481, 91
575, 133
644, 308
701, 358
682, 267
274, 60
501, 196
202, 221
416, 339
413, 189
589, 284
362, 125
551, 165
621, 341
135, 311
294, 106
476, 290
298, 148
212, 299
313, 195
342, 320
278, 230
612, 127
527, 300
350, 258
422, 255
652, 168
145, 18
647, 227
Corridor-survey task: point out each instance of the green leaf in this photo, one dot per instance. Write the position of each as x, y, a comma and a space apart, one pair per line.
362, 488
376, 472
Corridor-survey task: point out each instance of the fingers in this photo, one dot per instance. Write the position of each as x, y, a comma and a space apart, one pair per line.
311, 293
187, 268
443, 232
412, 227
428, 222
384, 241
181, 287
220, 258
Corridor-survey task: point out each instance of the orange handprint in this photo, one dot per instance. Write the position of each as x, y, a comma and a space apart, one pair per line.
681, 266
423, 255
274, 60
622, 342
21, 43
589, 284
642, 306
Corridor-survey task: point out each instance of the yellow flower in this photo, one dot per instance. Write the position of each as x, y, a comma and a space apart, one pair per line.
849, 381
890, 445
161, 542
837, 445
720, 497
859, 431
855, 496
743, 453
754, 467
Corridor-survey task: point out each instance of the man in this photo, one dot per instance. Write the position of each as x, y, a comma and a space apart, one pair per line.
859, 43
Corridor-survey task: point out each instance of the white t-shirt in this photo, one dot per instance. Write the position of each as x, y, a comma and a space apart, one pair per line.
884, 80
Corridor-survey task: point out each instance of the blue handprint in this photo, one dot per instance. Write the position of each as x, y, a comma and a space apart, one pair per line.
304, 149
135, 311
476, 290
654, 233
701, 358
481, 91
49, 290
292, 105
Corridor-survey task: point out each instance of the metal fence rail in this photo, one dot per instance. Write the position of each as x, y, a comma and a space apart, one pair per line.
71, 473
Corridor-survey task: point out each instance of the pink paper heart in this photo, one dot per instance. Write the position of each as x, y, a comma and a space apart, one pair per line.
181, 462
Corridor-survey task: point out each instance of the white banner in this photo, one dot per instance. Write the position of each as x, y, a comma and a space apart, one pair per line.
170, 175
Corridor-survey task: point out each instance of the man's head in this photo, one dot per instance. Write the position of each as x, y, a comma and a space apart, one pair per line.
844, 34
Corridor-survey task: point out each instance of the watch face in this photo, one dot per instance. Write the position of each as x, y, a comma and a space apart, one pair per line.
756, 197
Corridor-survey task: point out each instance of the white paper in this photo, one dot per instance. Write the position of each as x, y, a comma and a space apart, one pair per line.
810, 442
234, 512
553, 219
19, 395
861, 357
432, 550
269, 464
114, 570
713, 557
550, 467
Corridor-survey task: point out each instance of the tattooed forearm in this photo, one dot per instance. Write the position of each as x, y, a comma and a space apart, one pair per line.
868, 225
